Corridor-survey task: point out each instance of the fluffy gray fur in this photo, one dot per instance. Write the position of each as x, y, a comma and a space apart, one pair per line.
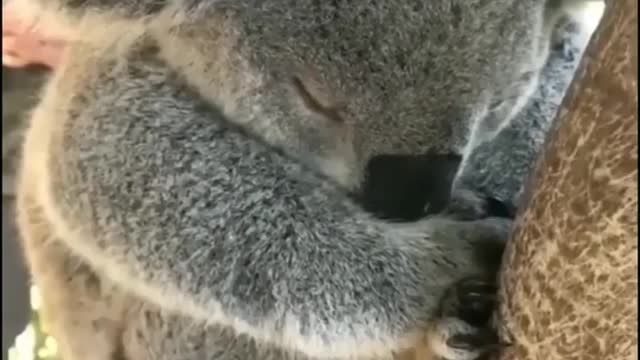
204, 190
500, 168
236, 230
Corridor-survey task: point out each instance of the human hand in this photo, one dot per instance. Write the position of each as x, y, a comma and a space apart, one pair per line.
24, 43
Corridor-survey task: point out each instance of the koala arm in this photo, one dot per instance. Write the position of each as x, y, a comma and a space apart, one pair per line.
170, 201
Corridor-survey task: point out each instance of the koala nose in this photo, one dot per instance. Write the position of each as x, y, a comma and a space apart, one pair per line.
407, 187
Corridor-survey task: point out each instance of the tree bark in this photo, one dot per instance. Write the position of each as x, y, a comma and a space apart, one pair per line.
569, 277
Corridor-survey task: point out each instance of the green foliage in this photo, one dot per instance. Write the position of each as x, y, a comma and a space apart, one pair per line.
34, 343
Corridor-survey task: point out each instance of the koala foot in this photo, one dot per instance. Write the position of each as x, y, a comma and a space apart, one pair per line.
463, 331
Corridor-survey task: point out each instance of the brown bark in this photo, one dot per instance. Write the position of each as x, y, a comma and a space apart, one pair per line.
569, 280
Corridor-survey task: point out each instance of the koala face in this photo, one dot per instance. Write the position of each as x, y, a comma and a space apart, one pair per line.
342, 82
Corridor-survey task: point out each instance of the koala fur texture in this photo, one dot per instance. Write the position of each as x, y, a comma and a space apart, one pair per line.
499, 169
187, 189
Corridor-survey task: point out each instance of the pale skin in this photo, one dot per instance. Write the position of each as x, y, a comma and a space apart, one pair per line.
25, 44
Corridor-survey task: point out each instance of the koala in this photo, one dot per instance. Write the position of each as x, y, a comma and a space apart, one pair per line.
499, 169
187, 188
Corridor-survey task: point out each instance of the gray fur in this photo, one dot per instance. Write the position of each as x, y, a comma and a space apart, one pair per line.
500, 168
294, 248
208, 195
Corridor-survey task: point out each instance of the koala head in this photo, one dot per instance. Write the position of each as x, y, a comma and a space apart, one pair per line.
403, 77
342, 82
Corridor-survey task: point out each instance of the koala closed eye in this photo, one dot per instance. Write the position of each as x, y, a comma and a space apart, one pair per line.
182, 173
317, 100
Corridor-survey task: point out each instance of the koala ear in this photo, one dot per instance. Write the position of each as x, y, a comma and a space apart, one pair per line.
407, 187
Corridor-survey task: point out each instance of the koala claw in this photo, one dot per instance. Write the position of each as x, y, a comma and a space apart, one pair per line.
463, 331
471, 299
476, 300
455, 339
481, 339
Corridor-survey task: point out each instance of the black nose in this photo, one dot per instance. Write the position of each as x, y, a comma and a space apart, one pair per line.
407, 187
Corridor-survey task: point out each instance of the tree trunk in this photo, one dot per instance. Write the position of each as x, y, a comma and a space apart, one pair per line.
569, 278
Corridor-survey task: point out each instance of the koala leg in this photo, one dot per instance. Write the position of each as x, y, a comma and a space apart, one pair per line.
79, 311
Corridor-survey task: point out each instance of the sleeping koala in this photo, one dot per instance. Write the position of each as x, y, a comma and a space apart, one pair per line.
197, 178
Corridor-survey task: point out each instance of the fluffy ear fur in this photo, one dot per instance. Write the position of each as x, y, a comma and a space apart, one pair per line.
499, 169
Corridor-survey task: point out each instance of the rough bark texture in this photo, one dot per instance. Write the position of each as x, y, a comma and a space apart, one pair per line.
569, 279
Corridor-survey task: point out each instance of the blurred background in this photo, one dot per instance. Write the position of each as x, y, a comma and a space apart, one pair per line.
20, 90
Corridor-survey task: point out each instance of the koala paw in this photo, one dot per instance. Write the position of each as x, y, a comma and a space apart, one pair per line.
454, 339
463, 331
471, 299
